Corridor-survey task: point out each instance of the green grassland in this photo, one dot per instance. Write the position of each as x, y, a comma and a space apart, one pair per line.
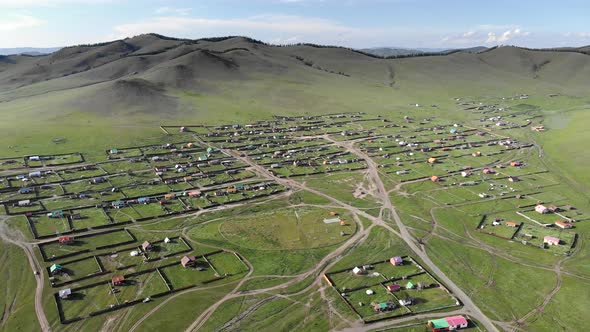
281, 239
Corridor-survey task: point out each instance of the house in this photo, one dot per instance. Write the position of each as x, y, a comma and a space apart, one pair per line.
553, 208
515, 163
406, 302
118, 280
143, 200
167, 240
434, 178
359, 271
393, 288
410, 285
457, 322
118, 204
113, 151
512, 224
195, 193
188, 261
448, 324
25, 190
563, 225
275, 165
97, 180
182, 129
550, 240
170, 196
36, 174
513, 179
56, 214
25, 202
431, 160
146, 246
65, 293
55, 268
542, 209
384, 306
65, 239
397, 260
476, 154
465, 174
488, 171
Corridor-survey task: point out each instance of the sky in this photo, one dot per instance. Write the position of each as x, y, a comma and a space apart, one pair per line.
350, 23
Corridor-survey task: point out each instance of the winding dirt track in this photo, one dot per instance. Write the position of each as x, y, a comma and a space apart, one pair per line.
468, 306
35, 266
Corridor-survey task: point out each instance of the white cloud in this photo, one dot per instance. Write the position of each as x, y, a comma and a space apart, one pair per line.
506, 36
19, 22
173, 11
486, 34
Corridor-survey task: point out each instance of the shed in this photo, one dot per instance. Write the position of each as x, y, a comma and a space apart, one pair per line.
143, 200
431, 160
35, 174
170, 196
167, 240
118, 280
511, 224
187, 261
410, 285
358, 271
434, 178
65, 293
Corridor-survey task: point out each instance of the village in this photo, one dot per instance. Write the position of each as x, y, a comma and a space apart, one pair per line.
80, 212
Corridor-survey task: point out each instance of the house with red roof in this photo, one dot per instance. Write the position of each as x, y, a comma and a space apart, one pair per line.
118, 280
448, 324
65, 239
393, 288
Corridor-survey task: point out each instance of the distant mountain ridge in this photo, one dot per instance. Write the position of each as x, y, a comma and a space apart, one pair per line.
401, 51
29, 50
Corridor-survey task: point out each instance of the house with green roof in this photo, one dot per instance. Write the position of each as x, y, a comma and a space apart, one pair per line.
438, 325
55, 268
410, 285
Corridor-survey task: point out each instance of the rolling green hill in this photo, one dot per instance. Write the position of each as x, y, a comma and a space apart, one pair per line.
144, 81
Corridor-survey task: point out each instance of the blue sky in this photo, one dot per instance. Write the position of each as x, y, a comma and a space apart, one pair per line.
352, 23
